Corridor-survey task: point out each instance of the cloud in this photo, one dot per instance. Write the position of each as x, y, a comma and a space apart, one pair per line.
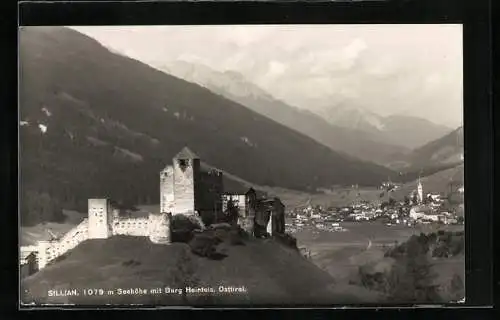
276, 68
388, 68
354, 49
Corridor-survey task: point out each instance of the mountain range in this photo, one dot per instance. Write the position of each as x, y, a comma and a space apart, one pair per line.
345, 128
98, 124
445, 152
234, 86
401, 130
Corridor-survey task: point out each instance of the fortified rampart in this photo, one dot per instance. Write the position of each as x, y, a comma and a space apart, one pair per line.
105, 224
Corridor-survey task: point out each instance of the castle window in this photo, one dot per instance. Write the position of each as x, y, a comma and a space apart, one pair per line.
183, 163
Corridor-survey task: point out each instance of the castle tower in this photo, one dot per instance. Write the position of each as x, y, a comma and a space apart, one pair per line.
100, 219
167, 189
279, 212
160, 231
250, 211
420, 191
186, 171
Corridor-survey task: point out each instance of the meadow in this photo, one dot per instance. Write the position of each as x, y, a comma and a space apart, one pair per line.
342, 253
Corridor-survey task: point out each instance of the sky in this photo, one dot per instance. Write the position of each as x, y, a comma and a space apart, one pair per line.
386, 69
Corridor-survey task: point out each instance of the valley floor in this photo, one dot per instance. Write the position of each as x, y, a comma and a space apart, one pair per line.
342, 253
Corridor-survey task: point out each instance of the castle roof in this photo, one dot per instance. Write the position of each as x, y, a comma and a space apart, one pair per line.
186, 153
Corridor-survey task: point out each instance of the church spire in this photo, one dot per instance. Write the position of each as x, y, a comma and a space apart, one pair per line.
420, 190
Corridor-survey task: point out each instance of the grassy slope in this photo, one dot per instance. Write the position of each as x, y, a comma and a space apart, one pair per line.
271, 273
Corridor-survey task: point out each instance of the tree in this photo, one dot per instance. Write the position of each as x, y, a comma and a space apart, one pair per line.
407, 201
392, 202
384, 205
427, 200
414, 199
456, 287
38, 207
412, 279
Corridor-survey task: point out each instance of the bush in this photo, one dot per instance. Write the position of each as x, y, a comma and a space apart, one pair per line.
183, 228
458, 247
287, 240
456, 288
183, 223
220, 235
235, 238
221, 226
204, 244
207, 217
441, 252
183, 236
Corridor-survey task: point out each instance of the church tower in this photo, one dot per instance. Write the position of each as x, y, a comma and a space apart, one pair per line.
420, 191
186, 172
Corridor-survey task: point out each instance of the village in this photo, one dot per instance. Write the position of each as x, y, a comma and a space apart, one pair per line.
415, 210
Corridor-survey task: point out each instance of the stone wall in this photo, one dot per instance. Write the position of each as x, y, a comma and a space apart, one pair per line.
167, 189
138, 227
51, 249
185, 174
160, 230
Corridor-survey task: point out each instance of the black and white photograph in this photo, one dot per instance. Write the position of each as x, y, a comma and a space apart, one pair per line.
241, 165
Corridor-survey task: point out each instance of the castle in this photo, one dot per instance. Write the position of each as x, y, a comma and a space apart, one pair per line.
188, 188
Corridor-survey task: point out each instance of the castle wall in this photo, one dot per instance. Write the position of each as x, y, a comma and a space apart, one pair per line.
186, 172
74, 237
167, 190
279, 213
138, 227
100, 218
239, 201
248, 223
160, 228
208, 191
49, 250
